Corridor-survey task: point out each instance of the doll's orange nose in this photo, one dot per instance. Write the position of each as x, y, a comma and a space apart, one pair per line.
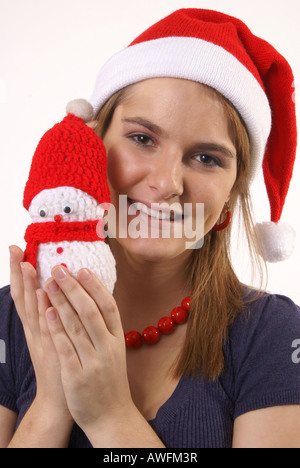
58, 218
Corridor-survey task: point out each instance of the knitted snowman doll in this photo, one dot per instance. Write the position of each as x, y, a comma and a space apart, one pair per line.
66, 195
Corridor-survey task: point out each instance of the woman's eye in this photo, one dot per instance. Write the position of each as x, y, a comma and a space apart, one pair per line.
68, 208
142, 139
43, 211
208, 160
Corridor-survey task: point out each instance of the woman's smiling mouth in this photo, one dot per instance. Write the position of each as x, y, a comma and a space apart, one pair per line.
158, 211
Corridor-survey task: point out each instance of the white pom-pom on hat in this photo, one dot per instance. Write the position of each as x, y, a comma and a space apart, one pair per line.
81, 108
276, 240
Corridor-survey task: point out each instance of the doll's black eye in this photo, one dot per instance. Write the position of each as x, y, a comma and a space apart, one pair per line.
43, 211
68, 208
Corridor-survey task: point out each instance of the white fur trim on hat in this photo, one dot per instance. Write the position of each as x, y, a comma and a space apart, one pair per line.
178, 57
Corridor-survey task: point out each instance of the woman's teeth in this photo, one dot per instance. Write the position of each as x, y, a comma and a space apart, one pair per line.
156, 214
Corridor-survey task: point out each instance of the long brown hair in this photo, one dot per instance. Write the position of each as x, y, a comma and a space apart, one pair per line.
217, 293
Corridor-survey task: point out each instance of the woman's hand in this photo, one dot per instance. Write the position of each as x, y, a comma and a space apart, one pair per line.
86, 329
80, 365
31, 304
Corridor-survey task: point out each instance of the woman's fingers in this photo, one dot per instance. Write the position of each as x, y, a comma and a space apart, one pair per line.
43, 305
69, 321
70, 363
32, 304
30, 298
92, 359
16, 277
80, 300
23, 283
92, 124
95, 308
43, 301
104, 301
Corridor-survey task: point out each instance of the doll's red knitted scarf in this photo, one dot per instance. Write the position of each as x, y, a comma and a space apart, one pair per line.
37, 233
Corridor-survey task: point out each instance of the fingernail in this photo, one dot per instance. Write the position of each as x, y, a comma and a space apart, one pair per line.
51, 314
11, 252
59, 273
39, 293
84, 275
52, 286
23, 269
39, 296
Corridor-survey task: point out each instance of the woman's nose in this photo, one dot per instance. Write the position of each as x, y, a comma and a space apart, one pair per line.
166, 178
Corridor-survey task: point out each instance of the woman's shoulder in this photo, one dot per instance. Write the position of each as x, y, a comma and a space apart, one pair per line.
264, 332
15, 360
7, 307
262, 353
262, 308
8, 311
265, 318
5, 296
11, 328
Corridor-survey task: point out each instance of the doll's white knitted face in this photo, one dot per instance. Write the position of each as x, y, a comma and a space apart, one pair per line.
64, 204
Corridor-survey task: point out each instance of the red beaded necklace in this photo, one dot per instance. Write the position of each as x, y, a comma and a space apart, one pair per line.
165, 325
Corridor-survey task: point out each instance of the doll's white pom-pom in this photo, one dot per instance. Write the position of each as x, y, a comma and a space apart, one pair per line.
81, 108
277, 240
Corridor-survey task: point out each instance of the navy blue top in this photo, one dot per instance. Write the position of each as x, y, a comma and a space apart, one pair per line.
262, 356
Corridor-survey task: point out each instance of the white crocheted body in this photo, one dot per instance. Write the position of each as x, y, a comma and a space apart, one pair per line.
96, 256
71, 204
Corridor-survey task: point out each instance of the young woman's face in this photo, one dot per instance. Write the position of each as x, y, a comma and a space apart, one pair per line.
168, 143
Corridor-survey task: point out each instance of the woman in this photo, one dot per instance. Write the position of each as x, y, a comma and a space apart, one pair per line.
228, 376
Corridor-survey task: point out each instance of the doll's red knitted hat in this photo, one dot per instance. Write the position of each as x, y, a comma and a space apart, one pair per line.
70, 154
220, 51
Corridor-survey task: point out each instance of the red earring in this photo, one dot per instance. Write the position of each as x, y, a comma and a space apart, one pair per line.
225, 224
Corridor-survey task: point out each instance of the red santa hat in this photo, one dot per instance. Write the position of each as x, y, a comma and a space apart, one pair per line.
220, 51
70, 154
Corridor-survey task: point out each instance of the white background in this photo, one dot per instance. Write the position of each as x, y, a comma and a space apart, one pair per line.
50, 53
